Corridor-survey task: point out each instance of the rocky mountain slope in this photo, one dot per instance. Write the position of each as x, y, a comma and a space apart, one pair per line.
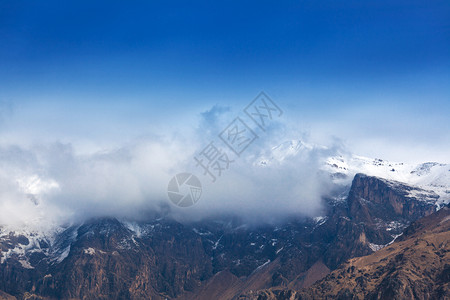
212, 259
415, 266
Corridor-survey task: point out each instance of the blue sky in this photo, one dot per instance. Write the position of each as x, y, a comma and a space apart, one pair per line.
374, 73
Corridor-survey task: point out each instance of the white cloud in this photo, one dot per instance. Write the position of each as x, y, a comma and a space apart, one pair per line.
53, 182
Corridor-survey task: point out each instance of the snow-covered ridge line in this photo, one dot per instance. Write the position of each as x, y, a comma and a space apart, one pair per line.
431, 177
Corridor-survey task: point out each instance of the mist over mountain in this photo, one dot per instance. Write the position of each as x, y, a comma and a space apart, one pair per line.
52, 184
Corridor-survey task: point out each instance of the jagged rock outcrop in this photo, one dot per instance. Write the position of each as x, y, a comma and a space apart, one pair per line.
372, 199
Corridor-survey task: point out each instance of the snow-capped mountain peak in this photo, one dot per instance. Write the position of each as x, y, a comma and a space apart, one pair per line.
431, 176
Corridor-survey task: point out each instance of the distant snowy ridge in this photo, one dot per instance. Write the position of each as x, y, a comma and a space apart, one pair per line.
429, 176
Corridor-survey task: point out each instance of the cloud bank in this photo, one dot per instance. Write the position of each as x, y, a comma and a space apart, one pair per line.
52, 183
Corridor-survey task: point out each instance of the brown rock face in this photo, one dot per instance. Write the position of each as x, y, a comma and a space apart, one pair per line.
108, 262
373, 199
416, 267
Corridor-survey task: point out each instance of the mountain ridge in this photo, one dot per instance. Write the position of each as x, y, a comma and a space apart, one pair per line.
109, 258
